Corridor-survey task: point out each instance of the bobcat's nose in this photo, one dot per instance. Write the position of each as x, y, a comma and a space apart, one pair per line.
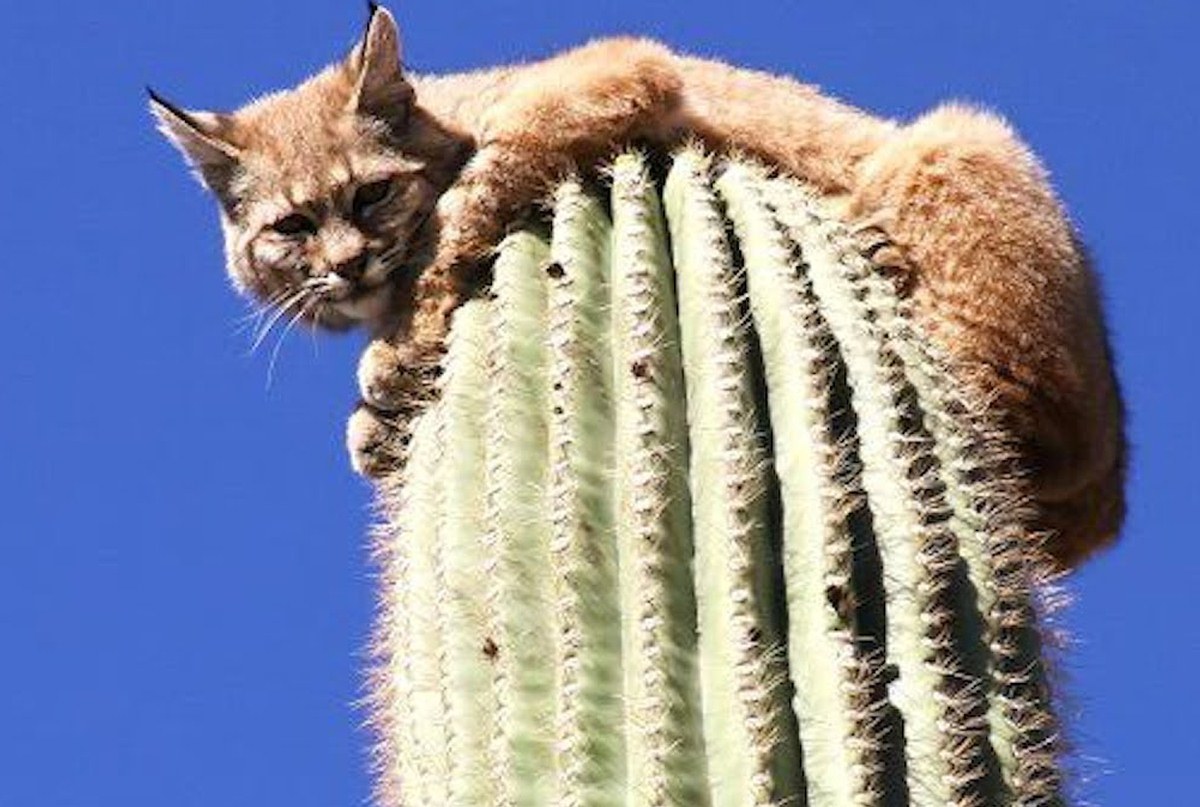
353, 269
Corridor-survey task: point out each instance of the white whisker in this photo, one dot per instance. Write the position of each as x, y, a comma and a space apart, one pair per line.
261, 335
312, 329
253, 318
304, 308
249, 321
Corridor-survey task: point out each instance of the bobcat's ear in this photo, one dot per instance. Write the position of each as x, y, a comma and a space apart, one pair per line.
380, 89
202, 138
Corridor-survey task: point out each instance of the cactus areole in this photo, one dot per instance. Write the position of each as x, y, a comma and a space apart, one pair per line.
700, 518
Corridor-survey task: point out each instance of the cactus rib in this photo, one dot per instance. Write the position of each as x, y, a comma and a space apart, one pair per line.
665, 747
517, 541
588, 643
415, 585
838, 717
753, 752
461, 561
397, 760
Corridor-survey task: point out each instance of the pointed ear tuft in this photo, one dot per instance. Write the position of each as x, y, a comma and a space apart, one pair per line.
380, 89
202, 137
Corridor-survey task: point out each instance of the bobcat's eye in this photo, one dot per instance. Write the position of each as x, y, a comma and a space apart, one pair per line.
294, 224
370, 194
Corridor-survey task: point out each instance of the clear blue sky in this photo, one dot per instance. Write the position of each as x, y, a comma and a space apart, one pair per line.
184, 591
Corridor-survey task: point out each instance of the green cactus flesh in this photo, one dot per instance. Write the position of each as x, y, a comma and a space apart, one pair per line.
699, 518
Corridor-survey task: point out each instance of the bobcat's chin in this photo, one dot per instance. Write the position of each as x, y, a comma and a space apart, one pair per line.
365, 308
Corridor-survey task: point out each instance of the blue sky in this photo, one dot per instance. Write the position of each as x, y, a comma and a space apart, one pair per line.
184, 589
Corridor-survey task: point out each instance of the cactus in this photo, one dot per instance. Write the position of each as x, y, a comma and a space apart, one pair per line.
700, 518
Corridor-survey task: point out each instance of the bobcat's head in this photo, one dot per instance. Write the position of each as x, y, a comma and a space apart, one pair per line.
324, 189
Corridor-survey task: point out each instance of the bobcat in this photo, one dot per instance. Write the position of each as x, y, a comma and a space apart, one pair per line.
370, 196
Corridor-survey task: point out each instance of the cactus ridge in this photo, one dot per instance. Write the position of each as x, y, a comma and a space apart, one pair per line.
396, 761
521, 614
1004, 568
665, 744
590, 735
752, 746
839, 727
408, 648
461, 560
701, 517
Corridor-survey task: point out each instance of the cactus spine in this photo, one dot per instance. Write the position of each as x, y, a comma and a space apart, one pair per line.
698, 518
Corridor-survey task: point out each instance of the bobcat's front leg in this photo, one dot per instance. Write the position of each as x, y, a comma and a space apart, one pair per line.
398, 370
397, 380
568, 113
374, 441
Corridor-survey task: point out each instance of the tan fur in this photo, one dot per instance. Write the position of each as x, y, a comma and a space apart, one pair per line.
997, 274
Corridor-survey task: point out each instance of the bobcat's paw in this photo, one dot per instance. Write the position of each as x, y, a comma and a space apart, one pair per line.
396, 378
375, 442
380, 381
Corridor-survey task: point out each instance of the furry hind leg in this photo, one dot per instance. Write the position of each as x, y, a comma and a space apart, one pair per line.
1001, 282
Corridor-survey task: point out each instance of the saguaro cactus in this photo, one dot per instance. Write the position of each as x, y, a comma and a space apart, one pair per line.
699, 518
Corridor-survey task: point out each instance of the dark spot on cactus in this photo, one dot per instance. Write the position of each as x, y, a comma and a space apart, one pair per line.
558, 410
640, 368
555, 270
491, 650
841, 601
